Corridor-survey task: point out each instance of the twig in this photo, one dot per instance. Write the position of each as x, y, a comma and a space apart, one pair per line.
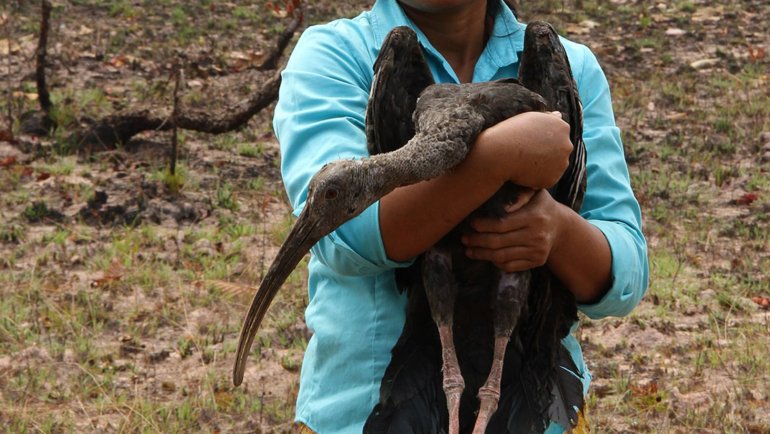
7, 33
122, 126
43, 96
283, 41
174, 117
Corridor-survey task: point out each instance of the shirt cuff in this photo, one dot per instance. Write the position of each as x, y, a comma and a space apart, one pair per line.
629, 272
355, 248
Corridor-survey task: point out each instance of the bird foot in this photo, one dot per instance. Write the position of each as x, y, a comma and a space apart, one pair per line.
488, 397
489, 393
453, 389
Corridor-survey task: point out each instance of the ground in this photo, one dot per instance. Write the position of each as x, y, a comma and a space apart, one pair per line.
122, 288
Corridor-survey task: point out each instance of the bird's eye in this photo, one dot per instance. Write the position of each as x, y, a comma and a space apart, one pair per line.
330, 194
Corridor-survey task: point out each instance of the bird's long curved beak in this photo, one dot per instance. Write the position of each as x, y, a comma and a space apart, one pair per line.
302, 237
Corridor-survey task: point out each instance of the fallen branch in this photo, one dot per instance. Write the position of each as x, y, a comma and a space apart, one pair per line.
271, 62
41, 123
120, 127
43, 96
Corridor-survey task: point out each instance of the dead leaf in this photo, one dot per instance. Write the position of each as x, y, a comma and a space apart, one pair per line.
31, 96
675, 32
7, 161
237, 55
746, 199
227, 287
762, 302
223, 398
756, 53
117, 61
7, 47
675, 116
83, 30
113, 274
194, 84
122, 60
648, 389
708, 13
576, 29
704, 63
7, 136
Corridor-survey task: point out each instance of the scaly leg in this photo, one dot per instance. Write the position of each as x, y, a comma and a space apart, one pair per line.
441, 291
511, 295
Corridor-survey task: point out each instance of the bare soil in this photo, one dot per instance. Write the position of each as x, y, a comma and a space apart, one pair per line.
122, 288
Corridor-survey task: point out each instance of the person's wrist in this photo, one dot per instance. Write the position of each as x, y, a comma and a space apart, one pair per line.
493, 161
504, 151
561, 221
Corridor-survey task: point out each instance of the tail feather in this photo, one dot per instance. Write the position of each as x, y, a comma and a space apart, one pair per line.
412, 400
567, 391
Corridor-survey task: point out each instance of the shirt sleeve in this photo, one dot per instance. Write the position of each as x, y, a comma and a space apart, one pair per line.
319, 118
609, 203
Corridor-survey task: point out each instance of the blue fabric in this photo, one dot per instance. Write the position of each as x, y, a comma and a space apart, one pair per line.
355, 311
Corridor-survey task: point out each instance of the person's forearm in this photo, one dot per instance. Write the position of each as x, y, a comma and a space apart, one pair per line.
581, 258
531, 149
414, 217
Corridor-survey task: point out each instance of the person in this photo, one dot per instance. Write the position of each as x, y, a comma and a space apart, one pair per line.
355, 311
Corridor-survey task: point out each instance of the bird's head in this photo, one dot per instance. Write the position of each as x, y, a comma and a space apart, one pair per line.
545, 69
541, 39
400, 46
544, 61
336, 194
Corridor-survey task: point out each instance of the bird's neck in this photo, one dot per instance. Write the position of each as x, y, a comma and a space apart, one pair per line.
386, 172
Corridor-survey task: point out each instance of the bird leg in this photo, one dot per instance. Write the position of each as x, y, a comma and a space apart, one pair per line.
511, 295
441, 291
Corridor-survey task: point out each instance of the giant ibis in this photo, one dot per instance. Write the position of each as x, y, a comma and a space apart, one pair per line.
515, 362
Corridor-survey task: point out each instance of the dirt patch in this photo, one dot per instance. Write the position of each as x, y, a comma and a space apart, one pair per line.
122, 288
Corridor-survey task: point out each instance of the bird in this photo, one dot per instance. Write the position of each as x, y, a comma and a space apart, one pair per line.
417, 130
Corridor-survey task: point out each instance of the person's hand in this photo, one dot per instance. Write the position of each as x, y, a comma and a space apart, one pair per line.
521, 240
531, 149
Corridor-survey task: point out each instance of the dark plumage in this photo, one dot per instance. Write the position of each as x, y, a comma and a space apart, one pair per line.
444, 277
413, 139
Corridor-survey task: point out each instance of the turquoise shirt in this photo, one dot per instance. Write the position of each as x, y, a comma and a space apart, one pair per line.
355, 311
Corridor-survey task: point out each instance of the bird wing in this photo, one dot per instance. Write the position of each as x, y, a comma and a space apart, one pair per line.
411, 396
545, 69
571, 187
400, 75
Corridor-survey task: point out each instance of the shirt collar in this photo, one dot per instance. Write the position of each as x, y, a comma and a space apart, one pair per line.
505, 42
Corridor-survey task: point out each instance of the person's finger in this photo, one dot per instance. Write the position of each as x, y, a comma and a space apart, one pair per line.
508, 223
494, 240
516, 266
504, 255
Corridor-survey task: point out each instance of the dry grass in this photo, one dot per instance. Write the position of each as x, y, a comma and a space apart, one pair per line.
112, 324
